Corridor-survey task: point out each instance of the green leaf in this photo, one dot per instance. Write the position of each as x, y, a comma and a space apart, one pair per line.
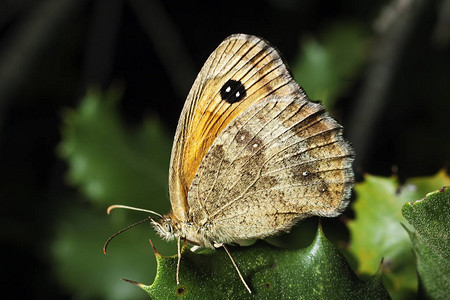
376, 231
430, 236
80, 265
110, 164
316, 272
327, 67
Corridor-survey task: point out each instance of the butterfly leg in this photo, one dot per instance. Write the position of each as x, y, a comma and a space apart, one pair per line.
217, 245
179, 259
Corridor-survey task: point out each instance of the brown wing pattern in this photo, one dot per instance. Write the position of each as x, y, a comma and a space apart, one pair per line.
279, 161
247, 59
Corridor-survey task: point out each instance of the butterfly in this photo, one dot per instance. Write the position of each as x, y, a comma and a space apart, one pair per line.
252, 155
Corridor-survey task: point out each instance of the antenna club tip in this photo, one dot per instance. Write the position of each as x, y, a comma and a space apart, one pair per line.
110, 208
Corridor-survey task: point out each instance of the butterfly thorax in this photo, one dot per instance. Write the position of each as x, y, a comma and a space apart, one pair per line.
170, 228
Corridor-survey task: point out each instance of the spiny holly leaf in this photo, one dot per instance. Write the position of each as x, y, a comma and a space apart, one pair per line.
110, 164
376, 232
430, 236
316, 272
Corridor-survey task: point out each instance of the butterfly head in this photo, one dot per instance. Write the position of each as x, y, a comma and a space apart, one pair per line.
170, 228
165, 227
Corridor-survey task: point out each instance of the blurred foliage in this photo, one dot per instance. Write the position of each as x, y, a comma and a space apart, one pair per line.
377, 232
110, 164
430, 236
327, 66
316, 272
80, 264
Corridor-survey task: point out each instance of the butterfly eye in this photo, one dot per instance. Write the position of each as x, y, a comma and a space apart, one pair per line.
167, 227
232, 91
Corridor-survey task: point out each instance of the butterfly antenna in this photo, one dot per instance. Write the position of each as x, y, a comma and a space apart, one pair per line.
108, 211
123, 230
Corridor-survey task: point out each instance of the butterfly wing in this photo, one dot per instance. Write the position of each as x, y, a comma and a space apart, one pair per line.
281, 160
262, 162
241, 71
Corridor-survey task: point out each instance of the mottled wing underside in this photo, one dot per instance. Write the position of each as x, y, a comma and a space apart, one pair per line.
259, 70
279, 161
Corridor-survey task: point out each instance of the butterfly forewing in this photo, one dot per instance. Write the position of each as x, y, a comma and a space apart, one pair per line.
241, 71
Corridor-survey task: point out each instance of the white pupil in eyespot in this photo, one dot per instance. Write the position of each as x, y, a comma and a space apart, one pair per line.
232, 91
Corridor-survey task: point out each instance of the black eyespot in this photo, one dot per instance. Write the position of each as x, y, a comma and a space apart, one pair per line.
232, 91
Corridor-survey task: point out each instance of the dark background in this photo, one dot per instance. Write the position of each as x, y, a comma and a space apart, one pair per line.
396, 112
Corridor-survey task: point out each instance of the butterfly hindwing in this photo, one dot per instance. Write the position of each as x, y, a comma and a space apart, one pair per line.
279, 161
